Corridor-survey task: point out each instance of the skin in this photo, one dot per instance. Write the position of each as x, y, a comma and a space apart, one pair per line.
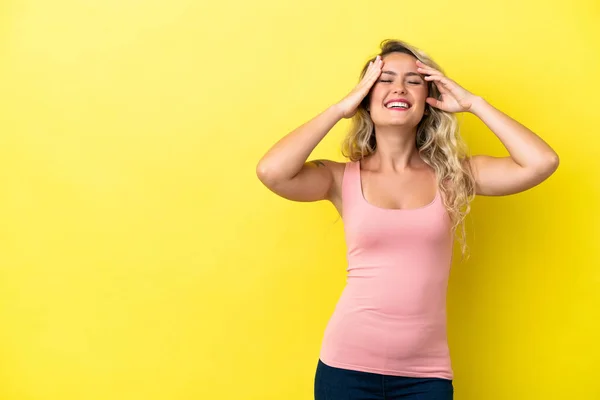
395, 176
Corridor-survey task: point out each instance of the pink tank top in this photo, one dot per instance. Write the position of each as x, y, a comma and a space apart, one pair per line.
391, 316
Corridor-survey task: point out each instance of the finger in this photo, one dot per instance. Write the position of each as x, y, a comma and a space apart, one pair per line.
369, 79
429, 72
376, 61
375, 69
441, 79
370, 74
426, 67
441, 88
373, 65
446, 84
434, 102
437, 104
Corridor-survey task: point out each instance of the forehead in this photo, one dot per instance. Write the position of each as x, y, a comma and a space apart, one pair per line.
400, 61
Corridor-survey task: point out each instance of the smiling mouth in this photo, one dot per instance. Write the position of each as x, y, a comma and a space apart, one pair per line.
397, 104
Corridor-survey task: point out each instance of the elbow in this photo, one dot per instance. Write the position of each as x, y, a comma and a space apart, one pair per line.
266, 174
552, 163
548, 165
262, 171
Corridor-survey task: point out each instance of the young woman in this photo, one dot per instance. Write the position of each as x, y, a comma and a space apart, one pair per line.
403, 196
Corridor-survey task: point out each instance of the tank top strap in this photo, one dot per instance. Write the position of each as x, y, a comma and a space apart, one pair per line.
351, 187
353, 197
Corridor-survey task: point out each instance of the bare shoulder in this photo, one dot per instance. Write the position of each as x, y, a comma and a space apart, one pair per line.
336, 168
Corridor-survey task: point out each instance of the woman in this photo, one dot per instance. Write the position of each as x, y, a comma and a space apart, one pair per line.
403, 196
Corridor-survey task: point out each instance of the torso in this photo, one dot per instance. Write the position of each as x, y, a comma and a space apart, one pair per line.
412, 188
391, 316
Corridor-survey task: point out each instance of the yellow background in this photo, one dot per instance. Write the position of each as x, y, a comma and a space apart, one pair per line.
140, 257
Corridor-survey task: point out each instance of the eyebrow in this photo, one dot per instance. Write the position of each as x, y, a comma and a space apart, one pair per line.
407, 74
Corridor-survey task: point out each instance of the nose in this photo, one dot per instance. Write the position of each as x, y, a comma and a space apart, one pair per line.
399, 88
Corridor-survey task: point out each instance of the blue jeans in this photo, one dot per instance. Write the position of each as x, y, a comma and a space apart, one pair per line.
333, 383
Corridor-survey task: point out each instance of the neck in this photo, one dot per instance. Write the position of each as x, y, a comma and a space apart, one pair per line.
396, 149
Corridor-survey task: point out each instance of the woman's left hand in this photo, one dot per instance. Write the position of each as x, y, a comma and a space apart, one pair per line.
454, 98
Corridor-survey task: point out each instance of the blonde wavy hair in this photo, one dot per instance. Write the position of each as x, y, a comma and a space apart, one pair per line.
438, 141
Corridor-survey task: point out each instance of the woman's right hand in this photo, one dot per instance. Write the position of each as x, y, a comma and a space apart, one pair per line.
349, 104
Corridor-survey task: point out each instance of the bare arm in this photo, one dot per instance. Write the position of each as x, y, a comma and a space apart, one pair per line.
531, 160
284, 169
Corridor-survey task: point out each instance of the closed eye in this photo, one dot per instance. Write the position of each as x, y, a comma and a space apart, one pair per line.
411, 82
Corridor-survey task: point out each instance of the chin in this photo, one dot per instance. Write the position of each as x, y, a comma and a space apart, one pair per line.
398, 122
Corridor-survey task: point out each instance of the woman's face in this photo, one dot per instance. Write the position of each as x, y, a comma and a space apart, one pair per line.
399, 86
